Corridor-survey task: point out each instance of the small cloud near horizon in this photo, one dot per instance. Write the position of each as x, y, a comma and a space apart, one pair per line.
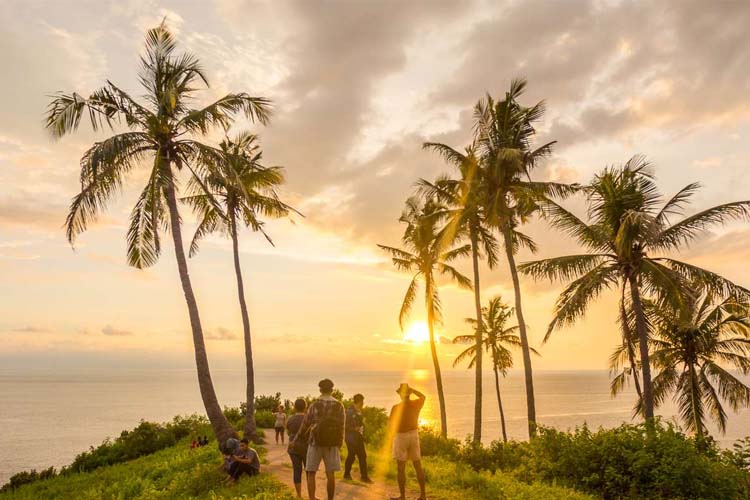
221, 333
111, 331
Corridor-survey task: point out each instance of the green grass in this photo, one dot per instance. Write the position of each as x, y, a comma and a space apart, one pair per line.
172, 473
450, 481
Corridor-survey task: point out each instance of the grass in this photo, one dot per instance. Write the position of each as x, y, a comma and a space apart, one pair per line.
181, 473
172, 473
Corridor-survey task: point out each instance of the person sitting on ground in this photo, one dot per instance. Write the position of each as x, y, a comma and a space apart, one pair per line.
324, 421
355, 439
194, 444
404, 422
231, 447
297, 443
245, 461
204, 442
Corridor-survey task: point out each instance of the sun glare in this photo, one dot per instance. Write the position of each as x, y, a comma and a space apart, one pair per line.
417, 333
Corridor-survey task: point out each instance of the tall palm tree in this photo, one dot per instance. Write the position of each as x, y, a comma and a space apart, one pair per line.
464, 208
497, 339
691, 353
504, 131
424, 255
629, 223
162, 132
237, 188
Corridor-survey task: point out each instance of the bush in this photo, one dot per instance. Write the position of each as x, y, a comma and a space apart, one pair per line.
27, 477
265, 419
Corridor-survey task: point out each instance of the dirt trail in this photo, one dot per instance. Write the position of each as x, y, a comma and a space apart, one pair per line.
280, 465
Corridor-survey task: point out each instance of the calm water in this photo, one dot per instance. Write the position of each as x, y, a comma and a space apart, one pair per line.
47, 419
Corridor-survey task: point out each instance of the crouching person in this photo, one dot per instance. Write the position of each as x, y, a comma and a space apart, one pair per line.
244, 461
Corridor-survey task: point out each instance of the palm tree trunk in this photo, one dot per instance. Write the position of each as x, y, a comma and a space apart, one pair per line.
250, 428
478, 338
529, 377
695, 402
436, 363
222, 429
640, 323
629, 344
500, 405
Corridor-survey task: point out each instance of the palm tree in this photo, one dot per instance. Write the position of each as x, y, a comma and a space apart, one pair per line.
424, 256
628, 224
464, 208
692, 351
497, 338
503, 133
237, 187
160, 131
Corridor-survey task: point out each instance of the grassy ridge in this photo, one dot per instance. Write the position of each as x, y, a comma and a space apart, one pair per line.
173, 473
178, 473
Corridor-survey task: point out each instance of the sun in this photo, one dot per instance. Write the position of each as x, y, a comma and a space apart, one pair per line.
417, 332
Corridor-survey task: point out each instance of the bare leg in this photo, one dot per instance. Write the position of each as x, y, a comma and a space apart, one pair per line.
401, 478
420, 479
311, 485
330, 484
298, 489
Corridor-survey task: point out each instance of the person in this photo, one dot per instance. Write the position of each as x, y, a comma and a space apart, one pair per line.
404, 422
231, 447
244, 461
194, 444
297, 449
205, 441
280, 425
324, 421
355, 439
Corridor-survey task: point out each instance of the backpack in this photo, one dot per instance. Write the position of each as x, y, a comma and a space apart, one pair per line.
329, 431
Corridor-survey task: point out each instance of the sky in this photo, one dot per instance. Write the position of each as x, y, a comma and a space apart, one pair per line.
357, 88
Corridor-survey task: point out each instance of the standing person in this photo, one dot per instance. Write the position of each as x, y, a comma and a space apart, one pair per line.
355, 439
404, 422
297, 443
244, 461
324, 421
280, 424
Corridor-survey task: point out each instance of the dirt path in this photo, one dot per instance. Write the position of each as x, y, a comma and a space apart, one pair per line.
280, 465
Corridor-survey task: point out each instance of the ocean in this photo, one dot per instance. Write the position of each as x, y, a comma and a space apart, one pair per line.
47, 419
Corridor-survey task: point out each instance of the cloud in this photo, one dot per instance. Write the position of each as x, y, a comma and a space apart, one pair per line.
111, 331
221, 333
25, 329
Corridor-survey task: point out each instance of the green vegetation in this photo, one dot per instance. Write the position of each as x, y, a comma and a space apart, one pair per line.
175, 473
631, 462
628, 462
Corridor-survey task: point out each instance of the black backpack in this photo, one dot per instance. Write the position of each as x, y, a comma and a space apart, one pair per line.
329, 431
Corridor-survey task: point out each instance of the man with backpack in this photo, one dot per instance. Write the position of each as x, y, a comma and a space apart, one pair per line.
324, 423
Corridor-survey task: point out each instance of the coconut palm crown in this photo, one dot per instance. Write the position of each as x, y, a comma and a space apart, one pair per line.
630, 229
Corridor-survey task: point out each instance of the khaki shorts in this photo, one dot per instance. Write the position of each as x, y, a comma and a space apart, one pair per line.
406, 446
329, 455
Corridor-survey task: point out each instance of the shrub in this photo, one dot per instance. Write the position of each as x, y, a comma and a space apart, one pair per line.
27, 477
265, 419
432, 444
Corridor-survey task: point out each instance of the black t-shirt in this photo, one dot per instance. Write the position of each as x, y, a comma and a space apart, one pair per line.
293, 424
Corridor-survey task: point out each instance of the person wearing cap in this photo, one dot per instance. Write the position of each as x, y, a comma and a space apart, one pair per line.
404, 423
324, 424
